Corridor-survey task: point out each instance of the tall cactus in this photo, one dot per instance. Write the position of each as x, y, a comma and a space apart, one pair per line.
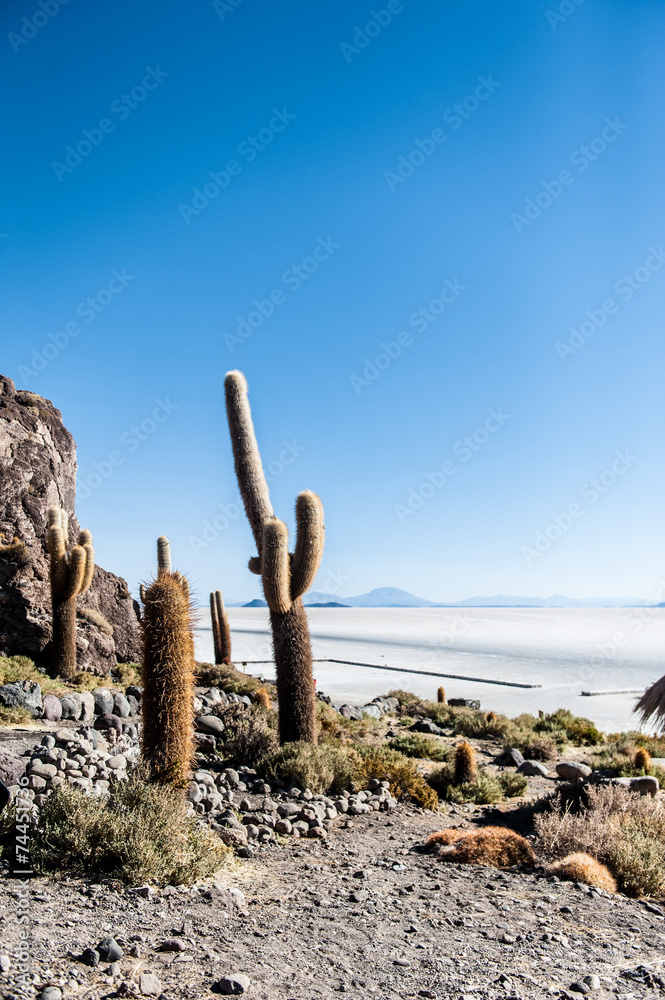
221, 633
70, 571
168, 674
285, 577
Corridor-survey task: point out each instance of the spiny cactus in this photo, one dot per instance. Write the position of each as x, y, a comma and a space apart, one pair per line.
168, 674
465, 764
441, 696
221, 633
262, 698
285, 577
491, 717
70, 571
642, 760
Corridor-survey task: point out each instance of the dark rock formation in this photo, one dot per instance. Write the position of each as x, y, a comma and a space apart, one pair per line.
37, 471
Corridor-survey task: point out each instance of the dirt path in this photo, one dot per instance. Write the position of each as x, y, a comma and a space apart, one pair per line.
359, 914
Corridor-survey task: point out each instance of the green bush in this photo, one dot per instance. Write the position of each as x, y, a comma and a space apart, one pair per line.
564, 727
410, 704
248, 736
531, 745
139, 833
226, 678
514, 785
389, 765
322, 768
485, 790
419, 745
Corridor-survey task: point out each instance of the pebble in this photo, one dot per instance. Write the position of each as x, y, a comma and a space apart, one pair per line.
90, 957
233, 984
149, 985
109, 950
50, 993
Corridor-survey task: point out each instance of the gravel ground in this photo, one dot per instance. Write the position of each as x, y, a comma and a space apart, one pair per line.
360, 913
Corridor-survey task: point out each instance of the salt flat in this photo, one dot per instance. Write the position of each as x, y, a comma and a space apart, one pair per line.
566, 650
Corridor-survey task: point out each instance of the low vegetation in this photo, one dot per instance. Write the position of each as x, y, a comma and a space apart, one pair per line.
419, 745
623, 831
249, 735
384, 764
139, 833
225, 677
323, 768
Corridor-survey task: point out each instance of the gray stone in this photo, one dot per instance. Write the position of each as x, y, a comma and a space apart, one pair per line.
52, 712
426, 726
22, 694
134, 691
121, 706
593, 982
283, 826
5, 963
134, 705
50, 993
532, 768
233, 984
210, 724
358, 895
90, 957
12, 767
571, 770
645, 785
103, 700
109, 950
372, 710
69, 708
149, 985
510, 758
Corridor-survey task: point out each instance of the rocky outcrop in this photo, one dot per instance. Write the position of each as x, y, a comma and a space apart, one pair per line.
37, 471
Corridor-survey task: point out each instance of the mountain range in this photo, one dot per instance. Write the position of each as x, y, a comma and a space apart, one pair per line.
393, 597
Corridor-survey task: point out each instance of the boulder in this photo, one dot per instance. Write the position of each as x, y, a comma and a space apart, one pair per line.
372, 710
509, 758
12, 767
38, 470
121, 706
69, 707
210, 724
51, 708
134, 691
533, 768
426, 726
571, 770
645, 785
22, 694
350, 712
103, 700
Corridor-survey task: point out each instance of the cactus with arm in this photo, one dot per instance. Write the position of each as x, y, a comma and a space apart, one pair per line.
285, 577
70, 571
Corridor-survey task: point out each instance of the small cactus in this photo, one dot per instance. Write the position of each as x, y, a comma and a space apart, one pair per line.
70, 570
263, 699
642, 760
285, 577
168, 675
221, 633
491, 717
466, 768
441, 696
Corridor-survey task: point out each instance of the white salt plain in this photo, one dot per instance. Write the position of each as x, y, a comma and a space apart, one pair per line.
566, 650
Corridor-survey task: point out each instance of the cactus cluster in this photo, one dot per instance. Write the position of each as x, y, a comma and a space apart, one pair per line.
285, 577
70, 571
221, 633
168, 673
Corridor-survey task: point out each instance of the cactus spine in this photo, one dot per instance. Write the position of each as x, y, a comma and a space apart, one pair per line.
221, 633
285, 577
465, 764
70, 571
168, 674
441, 696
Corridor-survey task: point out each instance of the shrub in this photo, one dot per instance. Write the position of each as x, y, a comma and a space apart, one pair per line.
226, 678
411, 704
16, 552
247, 737
533, 747
139, 833
419, 745
322, 768
513, 784
95, 618
470, 723
582, 867
15, 716
483, 790
622, 830
566, 727
385, 764
127, 674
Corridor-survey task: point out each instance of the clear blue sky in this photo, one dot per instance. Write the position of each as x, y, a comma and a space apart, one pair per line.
501, 162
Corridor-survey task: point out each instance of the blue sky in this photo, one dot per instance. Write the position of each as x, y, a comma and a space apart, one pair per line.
412, 209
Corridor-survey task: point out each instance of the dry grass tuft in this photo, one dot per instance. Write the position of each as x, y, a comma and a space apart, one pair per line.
95, 618
580, 867
16, 552
492, 846
139, 833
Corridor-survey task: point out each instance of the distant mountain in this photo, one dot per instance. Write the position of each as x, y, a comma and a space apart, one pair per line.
256, 603
328, 604
393, 597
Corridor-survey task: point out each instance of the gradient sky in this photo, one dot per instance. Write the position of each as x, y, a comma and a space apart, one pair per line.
537, 195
